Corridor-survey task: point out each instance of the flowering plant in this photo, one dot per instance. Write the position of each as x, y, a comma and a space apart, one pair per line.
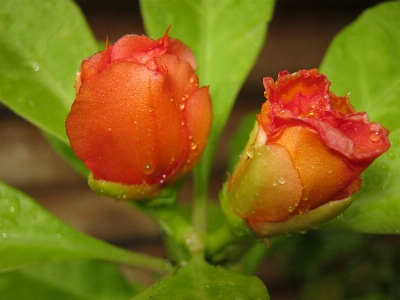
150, 110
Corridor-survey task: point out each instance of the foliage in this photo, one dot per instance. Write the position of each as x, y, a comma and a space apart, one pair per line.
42, 257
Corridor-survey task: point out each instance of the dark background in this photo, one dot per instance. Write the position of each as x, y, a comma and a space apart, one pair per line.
298, 37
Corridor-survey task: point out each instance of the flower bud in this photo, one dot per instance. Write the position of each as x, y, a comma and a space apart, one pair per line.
304, 157
139, 120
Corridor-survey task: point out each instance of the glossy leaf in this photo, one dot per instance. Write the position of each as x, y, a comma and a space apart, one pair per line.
80, 280
30, 235
41, 46
364, 60
199, 280
226, 37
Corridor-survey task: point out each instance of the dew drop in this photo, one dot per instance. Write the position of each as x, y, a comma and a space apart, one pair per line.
193, 146
186, 96
250, 151
109, 129
290, 209
191, 79
13, 209
150, 108
58, 236
35, 67
182, 106
148, 169
4, 235
330, 171
274, 183
171, 99
374, 136
305, 198
281, 180
303, 231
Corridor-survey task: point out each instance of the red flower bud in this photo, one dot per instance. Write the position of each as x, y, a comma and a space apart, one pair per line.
308, 149
139, 117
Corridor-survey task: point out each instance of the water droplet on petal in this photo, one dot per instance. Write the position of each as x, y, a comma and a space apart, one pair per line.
374, 136
4, 235
282, 180
274, 183
148, 169
150, 108
182, 106
193, 146
330, 171
290, 209
109, 129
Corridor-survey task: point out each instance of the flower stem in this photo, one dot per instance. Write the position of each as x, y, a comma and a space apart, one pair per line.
219, 239
199, 214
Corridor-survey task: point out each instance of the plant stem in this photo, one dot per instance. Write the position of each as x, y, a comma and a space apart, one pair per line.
137, 260
219, 239
199, 212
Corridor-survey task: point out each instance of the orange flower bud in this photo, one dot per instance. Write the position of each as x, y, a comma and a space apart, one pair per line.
139, 118
305, 153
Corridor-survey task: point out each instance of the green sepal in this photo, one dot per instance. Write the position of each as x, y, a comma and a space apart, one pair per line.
237, 225
121, 191
302, 222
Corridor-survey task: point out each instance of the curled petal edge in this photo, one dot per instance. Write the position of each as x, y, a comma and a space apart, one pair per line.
302, 222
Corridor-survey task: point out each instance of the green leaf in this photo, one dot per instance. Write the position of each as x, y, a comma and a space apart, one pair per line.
80, 280
226, 37
199, 280
31, 235
41, 46
364, 60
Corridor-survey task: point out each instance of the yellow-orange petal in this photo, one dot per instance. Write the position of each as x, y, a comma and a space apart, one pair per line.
324, 172
268, 187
